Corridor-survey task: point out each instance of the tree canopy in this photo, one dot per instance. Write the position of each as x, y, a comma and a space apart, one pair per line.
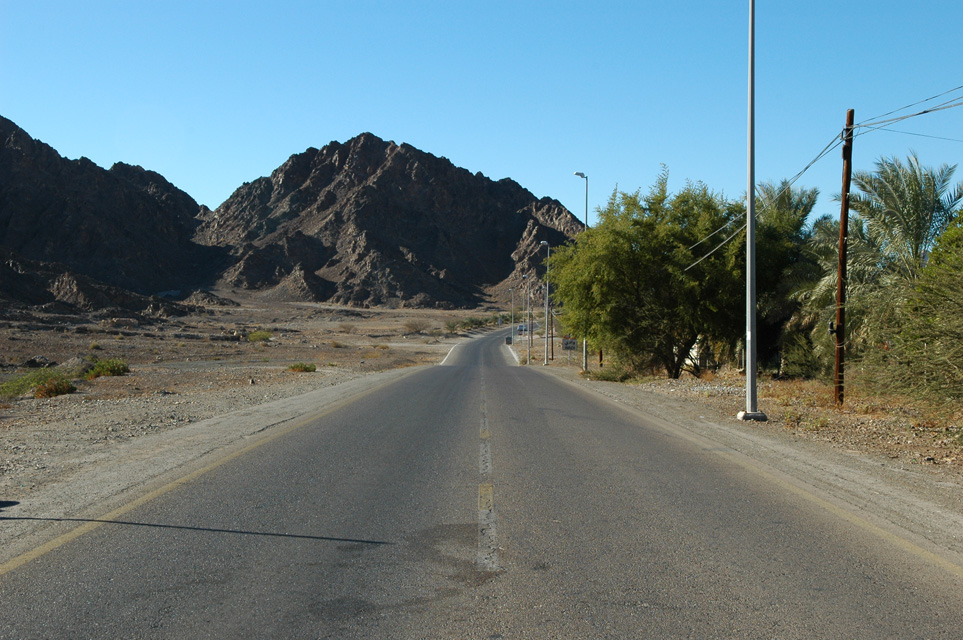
625, 285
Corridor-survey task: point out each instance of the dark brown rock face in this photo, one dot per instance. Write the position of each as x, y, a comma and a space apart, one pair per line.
127, 227
369, 222
363, 223
53, 287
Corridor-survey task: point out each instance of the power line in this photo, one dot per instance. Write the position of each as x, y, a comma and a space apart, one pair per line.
921, 135
873, 124
879, 123
835, 142
939, 95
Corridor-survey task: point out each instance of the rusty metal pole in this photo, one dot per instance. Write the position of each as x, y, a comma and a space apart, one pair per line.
840, 329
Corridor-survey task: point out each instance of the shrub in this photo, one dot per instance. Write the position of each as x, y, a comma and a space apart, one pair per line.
303, 367
57, 386
416, 325
109, 367
22, 384
259, 336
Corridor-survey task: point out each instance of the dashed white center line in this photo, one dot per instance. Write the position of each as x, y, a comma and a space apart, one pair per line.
487, 539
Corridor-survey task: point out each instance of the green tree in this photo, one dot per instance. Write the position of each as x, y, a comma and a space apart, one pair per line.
624, 282
901, 211
782, 263
906, 208
916, 346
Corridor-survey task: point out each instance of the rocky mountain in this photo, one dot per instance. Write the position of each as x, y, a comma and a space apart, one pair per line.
53, 288
126, 226
370, 222
367, 222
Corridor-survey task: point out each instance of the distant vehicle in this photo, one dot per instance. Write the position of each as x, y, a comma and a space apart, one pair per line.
522, 328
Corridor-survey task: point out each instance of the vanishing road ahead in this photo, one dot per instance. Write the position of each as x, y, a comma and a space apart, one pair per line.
480, 499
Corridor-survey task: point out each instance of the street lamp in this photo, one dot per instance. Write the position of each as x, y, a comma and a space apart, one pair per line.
512, 291
528, 312
548, 252
584, 339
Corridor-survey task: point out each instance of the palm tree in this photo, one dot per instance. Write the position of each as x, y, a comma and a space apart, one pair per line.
906, 208
901, 212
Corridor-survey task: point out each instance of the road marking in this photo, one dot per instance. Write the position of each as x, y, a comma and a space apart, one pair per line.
485, 458
99, 521
486, 497
448, 355
511, 350
487, 559
487, 538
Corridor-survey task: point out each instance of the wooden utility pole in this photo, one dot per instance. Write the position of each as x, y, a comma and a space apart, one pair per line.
840, 330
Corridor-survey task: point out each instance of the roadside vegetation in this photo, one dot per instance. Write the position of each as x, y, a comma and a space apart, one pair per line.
55, 381
659, 284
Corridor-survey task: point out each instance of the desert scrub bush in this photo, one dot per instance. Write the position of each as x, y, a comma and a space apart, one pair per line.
109, 367
95, 346
259, 336
303, 367
416, 325
28, 381
451, 327
57, 386
337, 345
346, 327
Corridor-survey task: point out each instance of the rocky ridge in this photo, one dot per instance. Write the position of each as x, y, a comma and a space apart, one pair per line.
370, 222
363, 223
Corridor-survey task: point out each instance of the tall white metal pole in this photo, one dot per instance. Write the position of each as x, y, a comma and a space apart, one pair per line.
548, 251
512, 290
584, 338
751, 412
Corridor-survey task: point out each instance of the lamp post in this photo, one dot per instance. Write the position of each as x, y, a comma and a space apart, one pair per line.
752, 410
584, 339
512, 291
528, 310
548, 252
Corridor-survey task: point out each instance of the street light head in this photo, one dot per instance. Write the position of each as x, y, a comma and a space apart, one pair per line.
545, 242
580, 174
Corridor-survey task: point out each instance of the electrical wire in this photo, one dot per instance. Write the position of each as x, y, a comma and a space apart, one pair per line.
872, 126
921, 135
835, 142
718, 246
889, 113
868, 126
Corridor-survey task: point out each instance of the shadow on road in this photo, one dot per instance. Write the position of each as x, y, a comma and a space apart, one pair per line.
201, 529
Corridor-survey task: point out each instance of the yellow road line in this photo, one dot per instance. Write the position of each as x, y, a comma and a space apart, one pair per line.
486, 497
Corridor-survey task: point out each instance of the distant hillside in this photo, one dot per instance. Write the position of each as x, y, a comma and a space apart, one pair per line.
363, 223
369, 222
127, 227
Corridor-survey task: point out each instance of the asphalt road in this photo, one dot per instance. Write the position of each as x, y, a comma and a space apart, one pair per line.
479, 499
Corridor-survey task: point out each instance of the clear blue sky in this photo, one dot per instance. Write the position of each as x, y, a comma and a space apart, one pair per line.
215, 94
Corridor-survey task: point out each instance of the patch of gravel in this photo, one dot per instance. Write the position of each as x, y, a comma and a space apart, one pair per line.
42, 439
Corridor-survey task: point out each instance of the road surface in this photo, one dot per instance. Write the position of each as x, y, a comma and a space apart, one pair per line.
480, 499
